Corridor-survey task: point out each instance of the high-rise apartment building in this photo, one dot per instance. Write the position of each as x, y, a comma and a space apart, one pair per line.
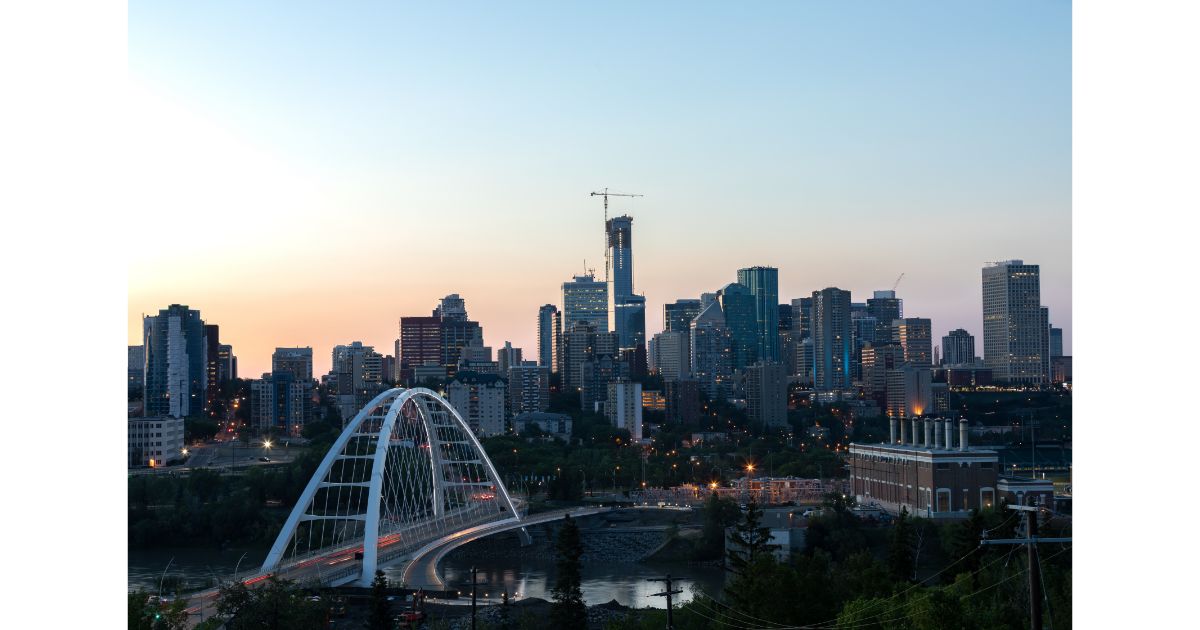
766, 394
1016, 330
683, 402
297, 361
832, 339
508, 356
915, 335
176, 375
545, 334
802, 317
585, 300
885, 307
763, 283
280, 403
877, 360
528, 388
479, 399
958, 348
1056, 344
624, 407
672, 357
595, 375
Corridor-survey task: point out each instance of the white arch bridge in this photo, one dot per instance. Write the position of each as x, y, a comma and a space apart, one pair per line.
405, 473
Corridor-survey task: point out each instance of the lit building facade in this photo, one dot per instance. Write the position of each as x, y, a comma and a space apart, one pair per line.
763, 283
176, 374
1016, 329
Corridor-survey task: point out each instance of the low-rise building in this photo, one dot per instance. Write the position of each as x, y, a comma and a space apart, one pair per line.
923, 472
557, 425
155, 441
654, 401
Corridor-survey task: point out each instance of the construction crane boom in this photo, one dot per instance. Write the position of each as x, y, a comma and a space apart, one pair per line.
604, 193
898, 281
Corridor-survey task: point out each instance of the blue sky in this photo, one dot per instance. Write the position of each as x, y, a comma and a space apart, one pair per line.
409, 151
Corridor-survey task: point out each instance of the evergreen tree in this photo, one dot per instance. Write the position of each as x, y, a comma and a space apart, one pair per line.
900, 548
569, 610
381, 609
750, 539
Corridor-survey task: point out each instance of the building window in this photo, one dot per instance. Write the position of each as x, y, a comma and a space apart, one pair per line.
987, 498
943, 500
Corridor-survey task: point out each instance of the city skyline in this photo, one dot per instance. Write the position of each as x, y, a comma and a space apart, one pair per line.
851, 146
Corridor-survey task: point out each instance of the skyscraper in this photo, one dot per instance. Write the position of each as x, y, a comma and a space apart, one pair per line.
545, 333
1016, 330
763, 283
212, 363
710, 343
678, 315
802, 317
832, 339
737, 305
885, 307
1056, 345
585, 300
619, 233
672, 357
915, 335
958, 347
297, 361
420, 344
176, 376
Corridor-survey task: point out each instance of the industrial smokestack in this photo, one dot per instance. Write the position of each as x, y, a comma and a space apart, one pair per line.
914, 431
928, 433
937, 433
949, 434
962, 434
891, 431
903, 432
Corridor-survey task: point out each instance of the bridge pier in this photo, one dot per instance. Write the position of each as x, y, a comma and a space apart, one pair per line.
526, 539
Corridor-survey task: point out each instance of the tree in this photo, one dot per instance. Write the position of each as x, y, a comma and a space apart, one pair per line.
277, 605
718, 514
900, 548
569, 610
381, 609
146, 613
750, 540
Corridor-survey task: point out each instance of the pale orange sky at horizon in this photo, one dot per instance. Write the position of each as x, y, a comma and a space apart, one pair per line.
306, 177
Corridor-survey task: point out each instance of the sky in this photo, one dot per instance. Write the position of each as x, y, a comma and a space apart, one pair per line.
306, 173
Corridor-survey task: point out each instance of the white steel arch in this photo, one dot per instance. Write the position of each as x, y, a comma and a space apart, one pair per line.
406, 469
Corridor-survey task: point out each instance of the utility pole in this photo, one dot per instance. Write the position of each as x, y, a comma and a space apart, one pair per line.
1035, 570
474, 581
667, 593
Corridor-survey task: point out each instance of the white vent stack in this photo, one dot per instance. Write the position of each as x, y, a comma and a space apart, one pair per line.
928, 433
903, 432
949, 434
962, 434
892, 431
915, 431
937, 433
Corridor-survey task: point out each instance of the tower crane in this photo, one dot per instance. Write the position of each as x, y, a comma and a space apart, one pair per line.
898, 281
604, 193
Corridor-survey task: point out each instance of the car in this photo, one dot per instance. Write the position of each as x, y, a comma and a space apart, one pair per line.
264, 459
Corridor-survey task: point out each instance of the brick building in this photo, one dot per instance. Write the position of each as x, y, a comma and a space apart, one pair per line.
924, 472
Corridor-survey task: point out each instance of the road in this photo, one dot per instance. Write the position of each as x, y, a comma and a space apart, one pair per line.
422, 569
